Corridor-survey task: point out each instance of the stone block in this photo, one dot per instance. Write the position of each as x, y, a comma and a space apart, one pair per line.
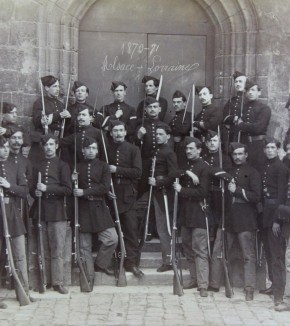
250, 64
251, 42
9, 80
240, 43
23, 32
26, 10
4, 34
7, 10
263, 63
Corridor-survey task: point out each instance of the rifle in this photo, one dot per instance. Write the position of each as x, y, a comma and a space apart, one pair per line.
85, 282
186, 107
242, 108
43, 107
177, 287
192, 111
65, 108
166, 211
204, 208
122, 275
149, 204
40, 246
1, 110
229, 130
228, 288
21, 294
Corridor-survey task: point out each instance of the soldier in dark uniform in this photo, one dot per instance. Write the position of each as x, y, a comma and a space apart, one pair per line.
165, 170
233, 110
126, 168
118, 110
52, 120
192, 193
274, 180
81, 93
54, 186
241, 217
180, 124
94, 215
210, 117
151, 90
146, 138
83, 129
253, 124
14, 185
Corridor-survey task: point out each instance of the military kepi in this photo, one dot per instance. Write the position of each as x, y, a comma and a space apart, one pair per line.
48, 80
178, 94
115, 84
77, 84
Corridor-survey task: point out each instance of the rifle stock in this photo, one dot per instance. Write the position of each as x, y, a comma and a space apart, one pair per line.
177, 287
121, 282
40, 247
21, 294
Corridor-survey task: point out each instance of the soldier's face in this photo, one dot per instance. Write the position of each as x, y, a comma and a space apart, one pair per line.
10, 117
90, 152
119, 93
84, 118
153, 110
4, 151
271, 150
150, 88
53, 90
178, 104
213, 144
50, 148
192, 152
239, 156
16, 141
205, 96
253, 93
161, 136
81, 94
118, 133
240, 83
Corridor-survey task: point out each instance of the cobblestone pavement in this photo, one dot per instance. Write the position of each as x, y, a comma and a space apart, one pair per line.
151, 306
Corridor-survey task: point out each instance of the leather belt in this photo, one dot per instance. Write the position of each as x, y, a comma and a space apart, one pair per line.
239, 201
91, 198
255, 138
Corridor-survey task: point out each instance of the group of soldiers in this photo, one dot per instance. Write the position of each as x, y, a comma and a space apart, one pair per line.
225, 170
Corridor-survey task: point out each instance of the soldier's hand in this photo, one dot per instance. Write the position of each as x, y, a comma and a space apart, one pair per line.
119, 113
65, 114
49, 120
40, 186
177, 187
152, 181
276, 229
4, 183
240, 120
74, 176
236, 118
2, 131
232, 187
44, 120
78, 192
193, 176
113, 168
38, 193
141, 132
111, 195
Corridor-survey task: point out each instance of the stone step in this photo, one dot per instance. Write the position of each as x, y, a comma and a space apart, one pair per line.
154, 260
154, 245
150, 278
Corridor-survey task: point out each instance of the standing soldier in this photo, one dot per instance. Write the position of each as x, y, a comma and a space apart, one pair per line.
233, 109
55, 184
118, 110
165, 169
210, 117
81, 93
151, 90
241, 217
48, 117
94, 215
252, 126
180, 124
193, 190
274, 179
14, 184
126, 168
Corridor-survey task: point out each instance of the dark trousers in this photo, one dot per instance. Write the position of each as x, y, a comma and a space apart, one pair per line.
275, 255
129, 225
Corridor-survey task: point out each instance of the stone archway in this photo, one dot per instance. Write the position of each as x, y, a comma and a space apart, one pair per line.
235, 23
